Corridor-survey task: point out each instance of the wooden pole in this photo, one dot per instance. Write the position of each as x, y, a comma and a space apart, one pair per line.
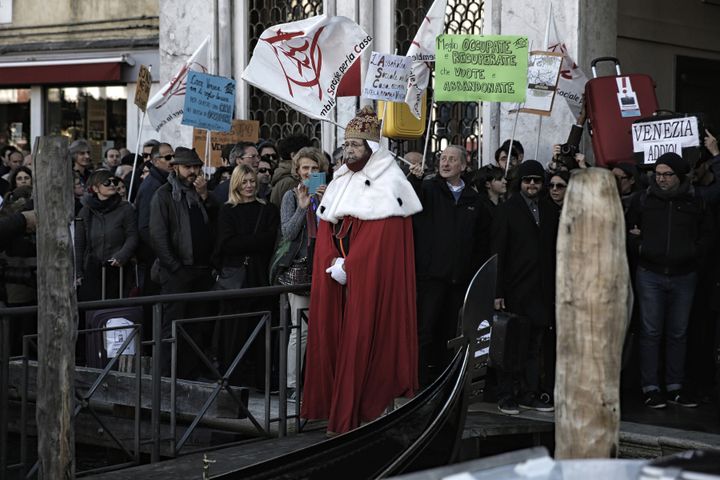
592, 300
57, 308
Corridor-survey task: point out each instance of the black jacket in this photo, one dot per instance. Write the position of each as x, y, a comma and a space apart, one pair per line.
675, 230
170, 233
156, 179
526, 255
451, 239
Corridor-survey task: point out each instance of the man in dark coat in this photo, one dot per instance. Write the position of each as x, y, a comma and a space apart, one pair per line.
452, 236
524, 233
670, 232
181, 214
160, 157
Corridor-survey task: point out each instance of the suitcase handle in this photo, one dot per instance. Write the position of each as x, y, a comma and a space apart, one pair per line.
595, 61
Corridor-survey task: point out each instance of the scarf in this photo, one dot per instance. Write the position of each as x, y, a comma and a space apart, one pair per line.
191, 196
91, 201
684, 187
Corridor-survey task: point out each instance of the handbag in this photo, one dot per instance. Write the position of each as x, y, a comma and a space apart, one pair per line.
296, 274
233, 278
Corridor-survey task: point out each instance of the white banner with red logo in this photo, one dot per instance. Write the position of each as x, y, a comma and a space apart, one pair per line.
166, 106
422, 51
301, 63
571, 85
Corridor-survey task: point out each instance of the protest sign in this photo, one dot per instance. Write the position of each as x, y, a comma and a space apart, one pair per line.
543, 74
166, 106
142, 88
422, 52
209, 102
302, 63
668, 135
475, 68
386, 77
242, 131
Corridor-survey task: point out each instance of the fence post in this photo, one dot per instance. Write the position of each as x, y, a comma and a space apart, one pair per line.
156, 381
4, 377
57, 307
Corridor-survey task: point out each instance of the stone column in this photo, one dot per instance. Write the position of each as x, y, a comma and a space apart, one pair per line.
589, 29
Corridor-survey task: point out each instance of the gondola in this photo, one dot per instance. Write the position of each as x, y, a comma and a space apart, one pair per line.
423, 433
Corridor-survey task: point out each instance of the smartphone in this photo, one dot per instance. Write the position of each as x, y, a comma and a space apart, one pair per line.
316, 179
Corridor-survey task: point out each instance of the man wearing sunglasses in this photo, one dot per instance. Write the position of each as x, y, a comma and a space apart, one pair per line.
524, 232
669, 232
264, 175
158, 170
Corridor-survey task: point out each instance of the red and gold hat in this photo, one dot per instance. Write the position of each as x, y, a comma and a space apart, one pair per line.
365, 125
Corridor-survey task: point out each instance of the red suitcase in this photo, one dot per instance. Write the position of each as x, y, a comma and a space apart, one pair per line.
613, 103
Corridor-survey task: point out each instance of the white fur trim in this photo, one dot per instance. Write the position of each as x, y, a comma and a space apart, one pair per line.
380, 190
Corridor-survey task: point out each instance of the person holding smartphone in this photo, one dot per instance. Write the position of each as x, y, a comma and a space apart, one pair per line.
299, 224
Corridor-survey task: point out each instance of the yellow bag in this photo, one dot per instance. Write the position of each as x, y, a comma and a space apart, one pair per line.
400, 123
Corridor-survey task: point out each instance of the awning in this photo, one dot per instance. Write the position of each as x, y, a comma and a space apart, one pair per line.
77, 71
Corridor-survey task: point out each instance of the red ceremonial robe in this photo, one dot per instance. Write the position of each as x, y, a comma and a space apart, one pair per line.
362, 337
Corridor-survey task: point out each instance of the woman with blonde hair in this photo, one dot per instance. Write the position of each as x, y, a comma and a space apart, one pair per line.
299, 226
247, 228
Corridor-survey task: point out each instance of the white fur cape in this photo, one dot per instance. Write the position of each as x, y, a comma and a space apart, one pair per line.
380, 190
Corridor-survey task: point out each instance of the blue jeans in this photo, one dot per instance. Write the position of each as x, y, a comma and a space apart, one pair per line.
665, 302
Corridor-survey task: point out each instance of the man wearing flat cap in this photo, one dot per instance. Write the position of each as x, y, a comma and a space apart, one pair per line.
181, 213
524, 233
362, 339
669, 232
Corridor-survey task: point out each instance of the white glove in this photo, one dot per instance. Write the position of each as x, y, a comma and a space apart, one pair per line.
337, 272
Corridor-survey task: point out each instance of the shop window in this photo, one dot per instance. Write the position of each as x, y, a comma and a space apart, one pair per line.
97, 114
15, 117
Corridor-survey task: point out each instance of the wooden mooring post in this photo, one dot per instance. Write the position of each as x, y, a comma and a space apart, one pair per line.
593, 295
57, 308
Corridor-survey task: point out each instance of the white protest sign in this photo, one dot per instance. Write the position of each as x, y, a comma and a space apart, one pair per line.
661, 136
543, 74
301, 63
115, 338
387, 77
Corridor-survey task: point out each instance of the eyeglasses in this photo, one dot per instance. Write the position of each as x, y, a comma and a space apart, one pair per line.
111, 181
623, 177
353, 145
264, 170
558, 186
167, 157
664, 174
269, 156
251, 156
532, 179
146, 155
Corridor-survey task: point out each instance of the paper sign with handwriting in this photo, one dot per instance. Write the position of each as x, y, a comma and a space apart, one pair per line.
489, 68
209, 102
387, 77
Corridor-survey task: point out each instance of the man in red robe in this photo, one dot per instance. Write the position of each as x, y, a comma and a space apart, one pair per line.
362, 338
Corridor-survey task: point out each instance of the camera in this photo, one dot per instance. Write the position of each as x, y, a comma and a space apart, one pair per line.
570, 148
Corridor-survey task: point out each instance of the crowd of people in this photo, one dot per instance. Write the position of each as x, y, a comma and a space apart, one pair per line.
390, 246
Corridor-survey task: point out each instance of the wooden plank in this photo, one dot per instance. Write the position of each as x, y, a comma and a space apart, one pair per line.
118, 388
57, 308
593, 294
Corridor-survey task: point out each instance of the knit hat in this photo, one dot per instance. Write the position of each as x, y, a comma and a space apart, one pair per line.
678, 164
531, 168
79, 145
186, 156
628, 169
365, 125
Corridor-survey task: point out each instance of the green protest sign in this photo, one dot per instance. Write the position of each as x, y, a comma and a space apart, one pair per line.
492, 68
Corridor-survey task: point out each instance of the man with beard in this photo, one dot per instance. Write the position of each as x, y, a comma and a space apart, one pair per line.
670, 232
181, 216
362, 340
524, 233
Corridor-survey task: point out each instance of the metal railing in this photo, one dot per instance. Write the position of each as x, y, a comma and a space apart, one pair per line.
7, 315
